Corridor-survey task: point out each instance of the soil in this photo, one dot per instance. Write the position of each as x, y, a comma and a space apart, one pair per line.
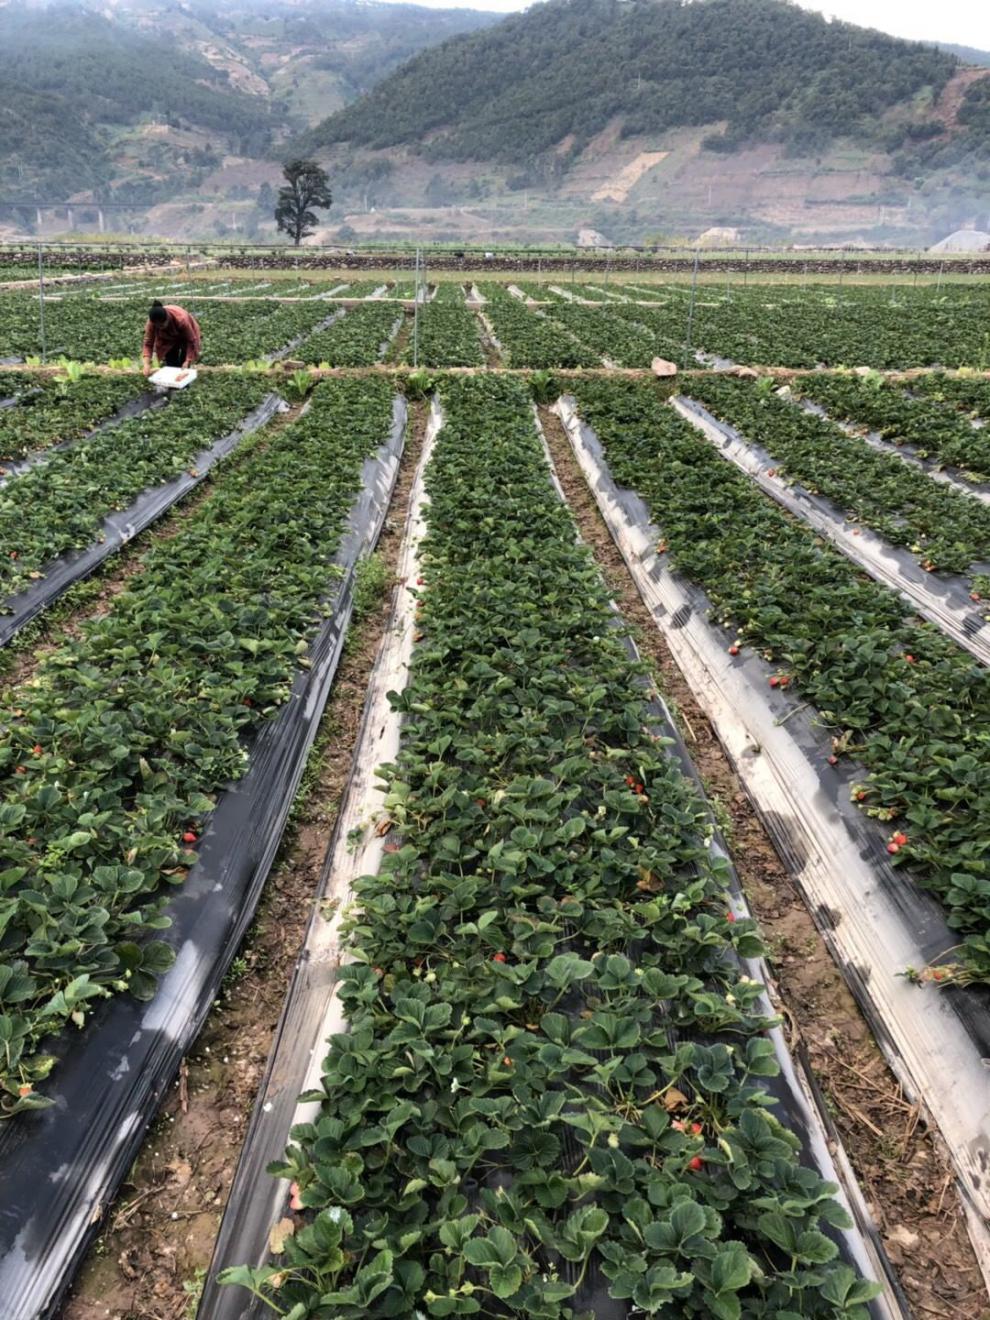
902, 1165
493, 357
150, 1259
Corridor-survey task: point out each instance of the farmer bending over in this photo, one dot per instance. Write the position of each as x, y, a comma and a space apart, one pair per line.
172, 334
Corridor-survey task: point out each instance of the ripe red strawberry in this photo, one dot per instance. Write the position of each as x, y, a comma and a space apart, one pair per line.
696, 1163
833, 760
36, 750
189, 837
774, 681
893, 847
499, 957
696, 1129
420, 581
730, 917
733, 650
900, 839
910, 659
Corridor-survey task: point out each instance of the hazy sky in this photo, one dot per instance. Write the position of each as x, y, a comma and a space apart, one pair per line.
966, 22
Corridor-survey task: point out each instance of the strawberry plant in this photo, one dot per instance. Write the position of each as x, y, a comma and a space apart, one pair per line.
948, 530
554, 1073
111, 754
969, 394
900, 697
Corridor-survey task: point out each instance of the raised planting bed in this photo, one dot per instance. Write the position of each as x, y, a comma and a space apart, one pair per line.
529, 340
556, 1096
161, 818
359, 338
932, 542
49, 412
925, 426
449, 335
77, 505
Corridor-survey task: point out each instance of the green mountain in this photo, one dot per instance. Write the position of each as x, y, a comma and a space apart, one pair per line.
133, 99
550, 79
968, 54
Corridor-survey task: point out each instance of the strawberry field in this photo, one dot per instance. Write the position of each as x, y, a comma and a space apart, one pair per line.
529, 1051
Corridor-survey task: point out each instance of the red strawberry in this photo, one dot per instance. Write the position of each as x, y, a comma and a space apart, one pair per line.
900, 839
893, 847
730, 917
833, 760
499, 958
189, 837
696, 1129
696, 1163
36, 750
733, 650
774, 681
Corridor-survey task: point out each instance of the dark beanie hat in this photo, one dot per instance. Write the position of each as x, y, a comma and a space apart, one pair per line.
158, 312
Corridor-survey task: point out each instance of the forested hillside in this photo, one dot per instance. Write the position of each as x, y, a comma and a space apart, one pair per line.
550, 79
137, 99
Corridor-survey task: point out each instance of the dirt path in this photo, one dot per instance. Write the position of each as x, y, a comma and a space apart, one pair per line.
148, 1264
902, 1166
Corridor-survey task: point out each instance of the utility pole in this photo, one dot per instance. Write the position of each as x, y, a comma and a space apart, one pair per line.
416, 315
41, 302
690, 323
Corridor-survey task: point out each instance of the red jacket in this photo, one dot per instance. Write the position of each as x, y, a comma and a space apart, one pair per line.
181, 327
